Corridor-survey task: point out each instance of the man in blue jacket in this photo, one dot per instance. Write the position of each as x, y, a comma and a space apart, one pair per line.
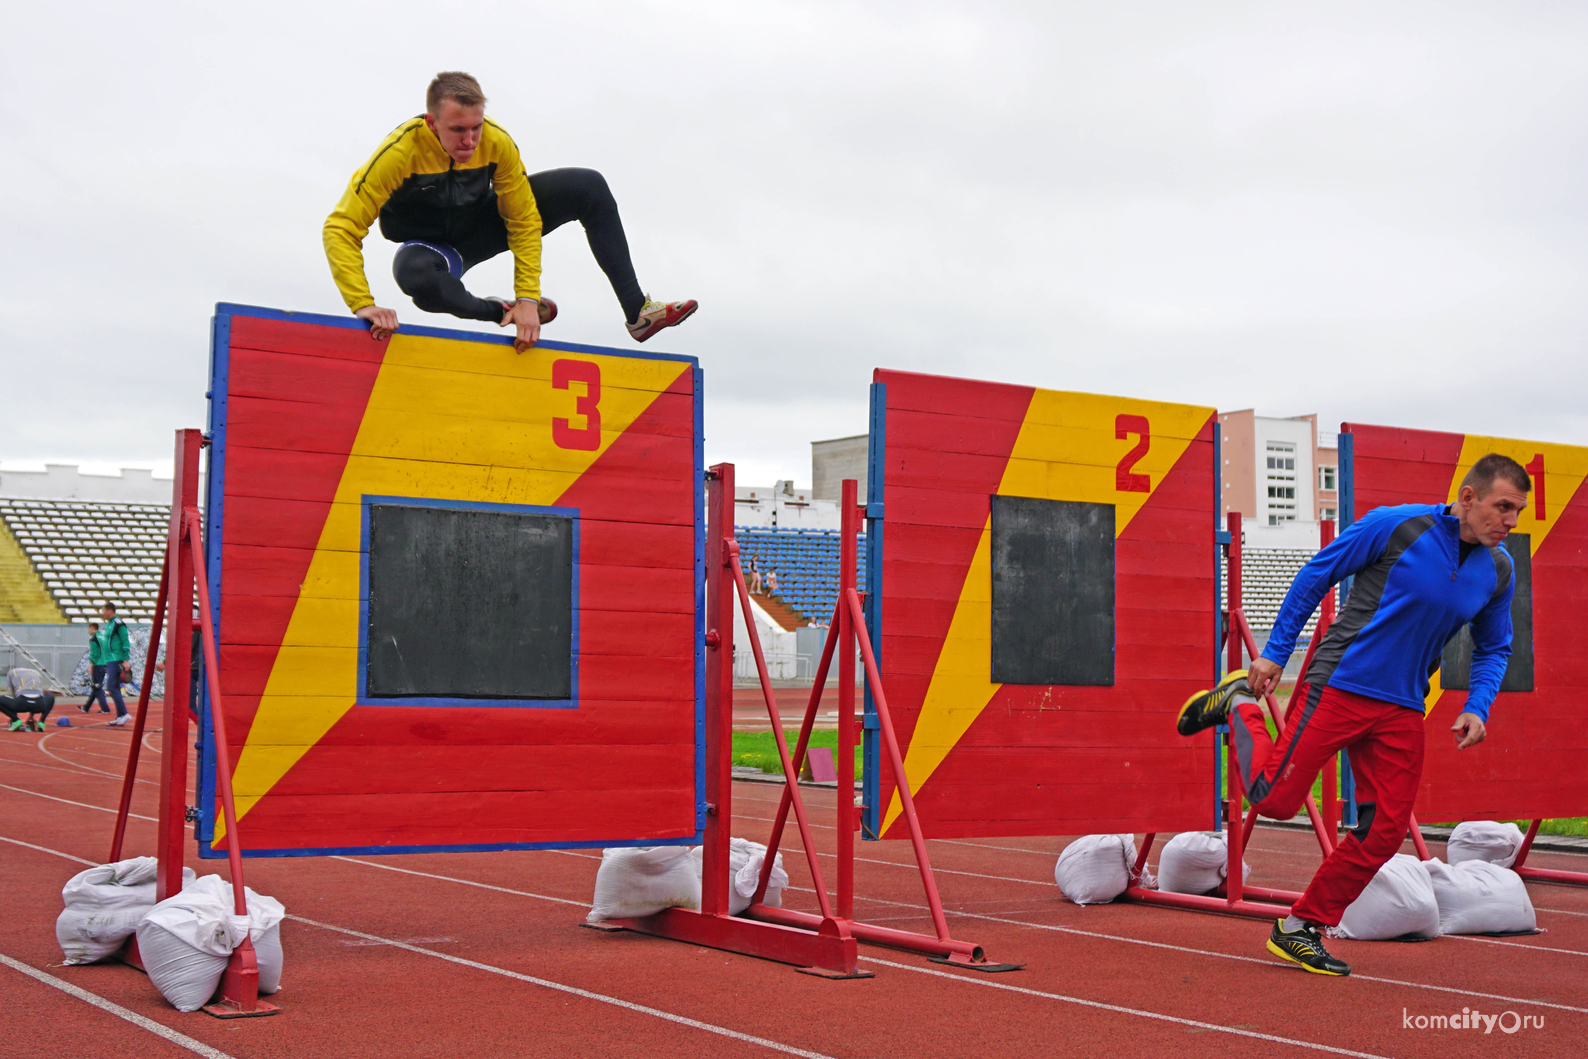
1422, 572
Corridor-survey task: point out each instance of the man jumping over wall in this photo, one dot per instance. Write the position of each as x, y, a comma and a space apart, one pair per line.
450, 186
1422, 572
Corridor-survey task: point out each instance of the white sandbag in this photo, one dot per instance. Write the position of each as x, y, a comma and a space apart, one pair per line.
1485, 840
187, 939
1196, 862
1397, 903
1476, 897
745, 859
104, 905
1095, 869
643, 881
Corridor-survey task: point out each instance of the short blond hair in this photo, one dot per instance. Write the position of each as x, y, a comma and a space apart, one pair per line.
455, 85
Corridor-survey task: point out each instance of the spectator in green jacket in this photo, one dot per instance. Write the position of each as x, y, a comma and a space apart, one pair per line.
96, 670
115, 648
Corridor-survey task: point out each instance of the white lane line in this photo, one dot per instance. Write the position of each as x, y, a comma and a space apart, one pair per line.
1514, 944
628, 1005
988, 983
67, 801
1559, 911
46, 849
991, 918
49, 753
74, 771
181, 1040
465, 882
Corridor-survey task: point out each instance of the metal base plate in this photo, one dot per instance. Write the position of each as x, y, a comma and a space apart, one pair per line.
984, 966
226, 1011
822, 972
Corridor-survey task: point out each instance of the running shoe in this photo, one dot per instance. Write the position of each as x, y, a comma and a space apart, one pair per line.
1208, 708
19, 726
547, 310
1305, 946
656, 315
38, 725
120, 721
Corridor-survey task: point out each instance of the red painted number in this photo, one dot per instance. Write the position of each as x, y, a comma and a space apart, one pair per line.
1536, 470
1125, 480
567, 436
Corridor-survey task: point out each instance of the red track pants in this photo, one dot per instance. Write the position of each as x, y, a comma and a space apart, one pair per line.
1385, 744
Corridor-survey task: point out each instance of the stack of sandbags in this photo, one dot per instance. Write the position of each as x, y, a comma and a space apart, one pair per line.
1476, 897
745, 859
104, 905
1398, 903
1196, 862
1484, 840
1095, 869
643, 880
186, 940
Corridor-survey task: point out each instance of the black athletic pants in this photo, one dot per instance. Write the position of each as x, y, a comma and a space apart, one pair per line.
562, 195
14, 708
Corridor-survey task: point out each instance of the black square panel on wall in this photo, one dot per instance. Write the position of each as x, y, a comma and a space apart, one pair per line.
1455, 668
469, 604
1052, 592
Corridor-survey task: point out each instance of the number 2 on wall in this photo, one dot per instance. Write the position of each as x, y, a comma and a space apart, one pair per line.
567, 436
1126, 480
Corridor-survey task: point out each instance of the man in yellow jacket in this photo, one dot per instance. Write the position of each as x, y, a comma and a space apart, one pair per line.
450, 186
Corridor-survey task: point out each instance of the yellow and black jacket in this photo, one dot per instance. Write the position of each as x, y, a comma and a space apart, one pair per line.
419, 192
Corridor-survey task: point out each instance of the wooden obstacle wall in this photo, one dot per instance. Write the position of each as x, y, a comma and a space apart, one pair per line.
1044, 595
1534, 762
519, 533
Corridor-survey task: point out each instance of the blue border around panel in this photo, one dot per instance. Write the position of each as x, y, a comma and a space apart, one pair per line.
220, 374
1345, 456
871, 748
363, 698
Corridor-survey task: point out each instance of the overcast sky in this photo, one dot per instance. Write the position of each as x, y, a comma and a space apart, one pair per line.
1371, 211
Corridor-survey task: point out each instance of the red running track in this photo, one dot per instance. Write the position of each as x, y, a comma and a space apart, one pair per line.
463, 955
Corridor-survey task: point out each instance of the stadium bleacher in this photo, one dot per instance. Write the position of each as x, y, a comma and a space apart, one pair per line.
806, 561
87, 552
1266, 574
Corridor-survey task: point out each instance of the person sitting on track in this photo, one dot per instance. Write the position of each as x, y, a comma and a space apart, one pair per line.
450, 186
26, 695
1422, 572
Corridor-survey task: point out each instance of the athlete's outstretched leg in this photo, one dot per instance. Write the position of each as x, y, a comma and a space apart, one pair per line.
432, 277
582, 195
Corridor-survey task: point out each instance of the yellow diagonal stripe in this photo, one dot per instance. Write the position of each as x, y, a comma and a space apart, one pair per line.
447, 420
1066, 450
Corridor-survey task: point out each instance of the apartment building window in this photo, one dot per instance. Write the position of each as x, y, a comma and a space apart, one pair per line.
1281, 482
1326, 477
1328, 513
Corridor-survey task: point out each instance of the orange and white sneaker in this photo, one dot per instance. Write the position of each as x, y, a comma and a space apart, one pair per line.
656, 315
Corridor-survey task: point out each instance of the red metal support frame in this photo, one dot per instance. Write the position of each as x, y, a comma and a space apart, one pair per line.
238, 996
823, 943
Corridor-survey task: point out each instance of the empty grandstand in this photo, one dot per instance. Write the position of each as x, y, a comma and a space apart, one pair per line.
806, 562
60, 560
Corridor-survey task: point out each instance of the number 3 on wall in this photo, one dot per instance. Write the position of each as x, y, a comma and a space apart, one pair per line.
586, 438
1125, 480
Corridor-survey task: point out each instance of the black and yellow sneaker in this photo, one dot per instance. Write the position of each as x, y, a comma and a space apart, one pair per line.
1305, 946
1208, 708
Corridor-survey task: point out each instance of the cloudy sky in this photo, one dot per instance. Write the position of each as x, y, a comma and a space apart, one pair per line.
1371, 211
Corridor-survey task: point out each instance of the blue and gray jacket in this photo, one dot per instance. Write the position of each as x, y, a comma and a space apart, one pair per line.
1412, 593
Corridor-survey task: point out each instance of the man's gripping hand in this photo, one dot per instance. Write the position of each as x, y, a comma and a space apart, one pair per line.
1262, 676
525, 313
382, 322
1470, 730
